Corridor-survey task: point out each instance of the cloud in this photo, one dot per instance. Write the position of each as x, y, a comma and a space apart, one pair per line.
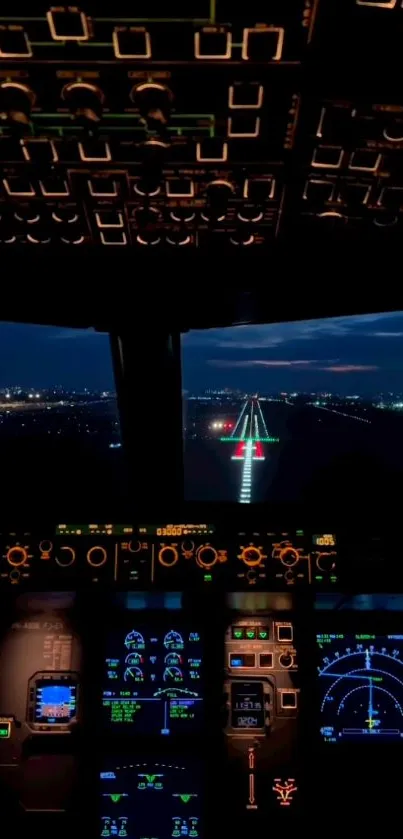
71, 334
351, 368
257, 362
386, 334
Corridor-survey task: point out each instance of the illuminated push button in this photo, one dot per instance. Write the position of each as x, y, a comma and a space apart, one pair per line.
65, 215
263, 44
250, 214
131, 42
146, 216
266, 660
109, 218
14, 43
54, 187
394, 131
245, 96
67, 25
381, 4
288, 699
180, 188
39, 151
242, 238
354, 194
243, 126
148, 238
27, 215
102, 188
364, 160
149, 185
95, 151
211, 43
327, 157
318, 192
259, 190
16, 186
177, 238
391, 198
183, 214
211, 150
113, 237
85, 101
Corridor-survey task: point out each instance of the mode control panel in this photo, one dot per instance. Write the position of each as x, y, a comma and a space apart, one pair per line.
169, 557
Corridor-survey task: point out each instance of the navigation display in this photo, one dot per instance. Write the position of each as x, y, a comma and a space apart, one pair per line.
360, 681
153, 681
151, 799
288, 412
55, 703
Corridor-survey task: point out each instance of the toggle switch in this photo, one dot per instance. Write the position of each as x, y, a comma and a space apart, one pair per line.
16, 101
85, 100
131, 42
14, 42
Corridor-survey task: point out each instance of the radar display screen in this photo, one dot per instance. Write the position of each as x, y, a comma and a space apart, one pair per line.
55, 703
247, 705
151, 799
153, 681
360, 679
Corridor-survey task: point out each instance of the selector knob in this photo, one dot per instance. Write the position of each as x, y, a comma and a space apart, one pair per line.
219, 191
168, 556
242, 238
154, 103
206, 556
16, 101
16, 556
394, 131
65, 556
289, 556
84, 100
251, 556
97, 556
286, 660
326, 561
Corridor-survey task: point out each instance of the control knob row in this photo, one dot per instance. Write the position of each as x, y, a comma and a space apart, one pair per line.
96, 556
206, 556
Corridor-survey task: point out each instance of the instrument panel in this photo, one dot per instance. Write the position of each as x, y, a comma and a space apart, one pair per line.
168, 557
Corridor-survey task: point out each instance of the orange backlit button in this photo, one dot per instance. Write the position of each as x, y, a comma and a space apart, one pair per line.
15, 185
327, 157
365, 160
288, 699
54, 187
102, 188
180, 188
391, 197
259, 190
211, 150
318, 191
131, 42
354, 194
113, 237
96, 151
213, 43
243, 126
247, 96
263, 44
39, 151
14, 43
109, 218
67, 25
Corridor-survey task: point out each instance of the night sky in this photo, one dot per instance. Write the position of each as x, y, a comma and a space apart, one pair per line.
345, 355
42, 356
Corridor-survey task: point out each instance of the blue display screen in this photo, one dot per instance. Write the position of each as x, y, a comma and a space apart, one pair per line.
151, 799
153, 680
55, 702
360, 679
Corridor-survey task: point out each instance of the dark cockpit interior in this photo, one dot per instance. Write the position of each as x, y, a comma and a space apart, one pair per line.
201, 418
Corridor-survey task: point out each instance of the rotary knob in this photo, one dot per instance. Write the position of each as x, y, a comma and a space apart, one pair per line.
16, 101
97, 556
84, 100
134, 547
286, 660
16, 555
394, 131
206, 556
65, 556
168, 556
289, 556
219, 192
326, 561
251, 556
154, 102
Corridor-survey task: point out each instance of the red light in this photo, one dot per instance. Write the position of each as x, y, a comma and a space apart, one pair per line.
230, 425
